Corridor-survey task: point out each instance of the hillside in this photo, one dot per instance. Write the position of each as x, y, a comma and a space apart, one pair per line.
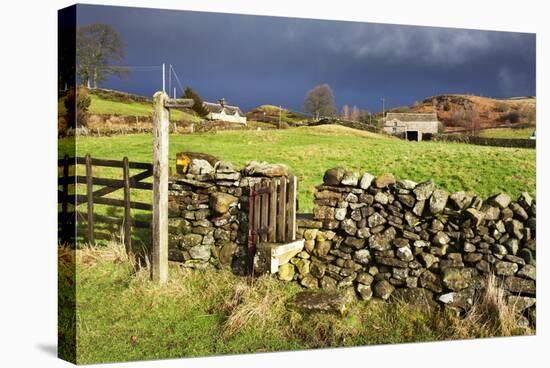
457, 111
270, 114
110, 102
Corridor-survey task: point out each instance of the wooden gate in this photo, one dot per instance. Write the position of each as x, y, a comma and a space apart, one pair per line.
109, 185
271, 213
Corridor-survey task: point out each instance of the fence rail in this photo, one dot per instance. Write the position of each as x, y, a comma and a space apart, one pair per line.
67, 220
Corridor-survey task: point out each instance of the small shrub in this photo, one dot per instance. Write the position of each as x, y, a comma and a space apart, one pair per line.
283, 125
77, 102
512, 117
502, 107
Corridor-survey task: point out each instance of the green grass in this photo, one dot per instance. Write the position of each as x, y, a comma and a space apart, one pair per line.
122, 316
310, 151
508, 133
103, 106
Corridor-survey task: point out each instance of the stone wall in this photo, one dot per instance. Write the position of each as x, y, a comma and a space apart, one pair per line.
409, 241
208, 213
482, 141
376, 236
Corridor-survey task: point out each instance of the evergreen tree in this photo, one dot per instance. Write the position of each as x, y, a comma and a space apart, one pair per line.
198, 106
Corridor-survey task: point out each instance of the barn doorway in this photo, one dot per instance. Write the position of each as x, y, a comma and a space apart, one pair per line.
412, 135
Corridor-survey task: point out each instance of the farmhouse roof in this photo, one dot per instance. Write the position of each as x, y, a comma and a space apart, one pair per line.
217, 108
401, 116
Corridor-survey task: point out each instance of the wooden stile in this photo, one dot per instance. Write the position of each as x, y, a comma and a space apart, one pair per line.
272, 213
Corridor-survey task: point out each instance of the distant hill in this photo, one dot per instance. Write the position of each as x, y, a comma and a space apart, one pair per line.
270, 114
456, 111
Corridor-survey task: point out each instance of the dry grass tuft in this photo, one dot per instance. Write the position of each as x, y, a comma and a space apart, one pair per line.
490, 315
257, 303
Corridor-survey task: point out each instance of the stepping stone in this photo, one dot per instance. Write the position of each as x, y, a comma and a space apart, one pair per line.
319, 301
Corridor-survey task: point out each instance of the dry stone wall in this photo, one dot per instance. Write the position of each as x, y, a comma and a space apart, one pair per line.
396, 239
207, 211
376, 236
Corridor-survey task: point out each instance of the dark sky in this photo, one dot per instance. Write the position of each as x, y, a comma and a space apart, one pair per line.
254, 60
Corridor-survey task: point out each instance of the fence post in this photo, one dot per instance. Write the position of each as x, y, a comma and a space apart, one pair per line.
90, 196
127, 213
159, 254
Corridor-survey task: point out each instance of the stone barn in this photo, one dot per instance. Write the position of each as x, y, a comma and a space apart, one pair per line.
221, 111
412, 126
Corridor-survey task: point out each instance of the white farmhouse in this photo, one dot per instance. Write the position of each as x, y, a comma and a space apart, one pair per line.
412, 126
224, 112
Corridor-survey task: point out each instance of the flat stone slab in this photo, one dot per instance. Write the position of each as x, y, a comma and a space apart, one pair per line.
319, 301
270, 256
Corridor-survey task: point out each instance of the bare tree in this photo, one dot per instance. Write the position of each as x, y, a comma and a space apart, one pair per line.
355, 113
320, 101
97, 46
345, 112
471, 118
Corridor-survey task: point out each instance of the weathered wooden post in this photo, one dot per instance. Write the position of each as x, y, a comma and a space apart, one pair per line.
161, 117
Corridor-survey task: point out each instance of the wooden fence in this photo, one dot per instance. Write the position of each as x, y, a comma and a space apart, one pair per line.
98, 196
271, 213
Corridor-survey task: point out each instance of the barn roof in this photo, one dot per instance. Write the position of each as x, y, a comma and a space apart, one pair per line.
401, 116
217, 108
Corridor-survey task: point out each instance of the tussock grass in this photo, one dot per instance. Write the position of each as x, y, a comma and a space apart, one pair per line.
489, 316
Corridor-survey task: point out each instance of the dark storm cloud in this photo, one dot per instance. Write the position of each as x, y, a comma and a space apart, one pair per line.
252, 60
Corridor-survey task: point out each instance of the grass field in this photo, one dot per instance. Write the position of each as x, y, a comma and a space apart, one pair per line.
508, 133
310, 151
102, 106
122, 316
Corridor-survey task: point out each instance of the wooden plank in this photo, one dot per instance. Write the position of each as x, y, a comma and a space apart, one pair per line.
127, 212
264, 215
273, 211
115, 202
114, 183
257, 213
251, 226
178, 102
281, 211
72, 161
114, 163
70, 179
159, 269
291, 216
134, 181
89, 194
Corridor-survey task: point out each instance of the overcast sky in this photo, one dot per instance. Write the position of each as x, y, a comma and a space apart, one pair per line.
254, 60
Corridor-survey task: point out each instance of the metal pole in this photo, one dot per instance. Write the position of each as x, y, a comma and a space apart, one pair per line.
163, 77
169, 78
